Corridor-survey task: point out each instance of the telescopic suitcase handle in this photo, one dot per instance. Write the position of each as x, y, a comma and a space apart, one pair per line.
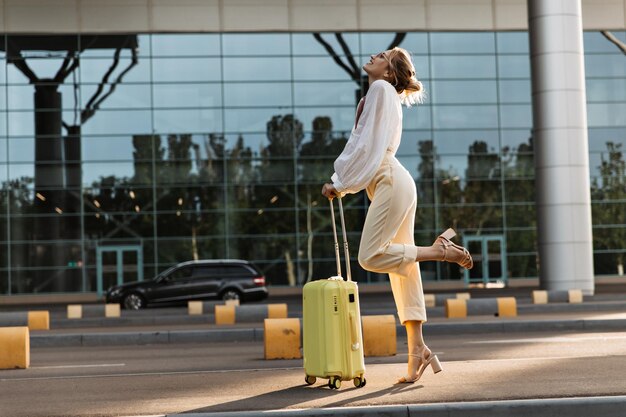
345, 239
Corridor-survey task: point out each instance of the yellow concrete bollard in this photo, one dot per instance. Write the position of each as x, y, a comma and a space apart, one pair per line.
456, 308
194, 308
379, 335
224, 314
463, 296
112, 310
540, 297
507, 307
231, 302
38, 320
277, 311
430, 300
281, 338
74, 311
575, 296
14, 347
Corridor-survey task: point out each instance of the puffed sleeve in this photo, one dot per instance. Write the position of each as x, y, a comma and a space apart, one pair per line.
356, 166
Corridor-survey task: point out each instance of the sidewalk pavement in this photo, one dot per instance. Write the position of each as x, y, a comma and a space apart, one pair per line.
571, 407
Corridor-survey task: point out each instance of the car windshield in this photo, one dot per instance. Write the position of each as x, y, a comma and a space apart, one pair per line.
164, 273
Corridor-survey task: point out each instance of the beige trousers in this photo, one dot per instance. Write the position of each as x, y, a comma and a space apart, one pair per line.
387, 243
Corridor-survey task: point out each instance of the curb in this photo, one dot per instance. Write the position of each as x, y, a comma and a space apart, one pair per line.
571, 407
256, 334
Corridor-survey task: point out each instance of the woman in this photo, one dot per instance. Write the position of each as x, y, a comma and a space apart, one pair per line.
368, 162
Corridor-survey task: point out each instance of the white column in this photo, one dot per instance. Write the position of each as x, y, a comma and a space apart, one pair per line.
561, 145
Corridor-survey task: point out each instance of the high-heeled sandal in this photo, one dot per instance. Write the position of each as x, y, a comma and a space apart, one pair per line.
431, 360
457, 254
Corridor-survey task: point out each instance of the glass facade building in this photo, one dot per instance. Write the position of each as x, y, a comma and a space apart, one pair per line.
121, 155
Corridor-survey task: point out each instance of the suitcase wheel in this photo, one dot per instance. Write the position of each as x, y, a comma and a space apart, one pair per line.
310, 379
334, 382
359, 382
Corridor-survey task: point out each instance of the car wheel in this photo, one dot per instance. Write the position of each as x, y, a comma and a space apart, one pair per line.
231, 294
134, 301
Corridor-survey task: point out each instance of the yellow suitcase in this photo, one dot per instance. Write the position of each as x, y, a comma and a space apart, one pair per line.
331, 322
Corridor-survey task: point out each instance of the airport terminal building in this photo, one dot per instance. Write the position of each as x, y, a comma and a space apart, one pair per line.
138, 134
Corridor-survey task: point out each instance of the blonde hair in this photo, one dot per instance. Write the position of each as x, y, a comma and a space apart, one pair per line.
403, 77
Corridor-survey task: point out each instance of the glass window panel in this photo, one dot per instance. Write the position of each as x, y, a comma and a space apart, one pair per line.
459, 117
601, 115
606, 90
4, 146
342, 118
257, 94
516, 116
22, 97
93, 70
3, 124
186, 69
321, 68
459, 92
451, 167
257, 69
188, 121
250, 120
605, 65
3, 68
22, 149
185, 44
414, 140
598, 137
261, 44
3, 93
252, 141
325, 93
43, 68
22, 171
112, 148
275, 170
514, 138
124, 96
512, 42
4, 175
463, 66
187, 95
21, 123
306, 44
515, 91
461, 42
374, 42
459, 142
94, 172
416, 118
113, 122
513, 66
595, 42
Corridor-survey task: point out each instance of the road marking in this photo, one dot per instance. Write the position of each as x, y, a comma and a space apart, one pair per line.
547, 340
99, 365
215, 371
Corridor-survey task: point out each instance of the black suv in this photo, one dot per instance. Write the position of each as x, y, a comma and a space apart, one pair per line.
193, 280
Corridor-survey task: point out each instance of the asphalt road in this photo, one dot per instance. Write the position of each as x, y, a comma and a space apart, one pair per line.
163, 379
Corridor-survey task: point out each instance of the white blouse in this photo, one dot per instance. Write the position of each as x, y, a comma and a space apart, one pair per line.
377, 132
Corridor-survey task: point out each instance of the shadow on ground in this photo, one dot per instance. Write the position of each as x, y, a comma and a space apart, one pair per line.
320, 395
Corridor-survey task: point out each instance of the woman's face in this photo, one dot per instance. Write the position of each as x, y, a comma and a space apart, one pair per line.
378, 66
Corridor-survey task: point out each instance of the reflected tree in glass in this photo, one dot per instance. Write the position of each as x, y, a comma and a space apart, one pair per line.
609, 194
350, 65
